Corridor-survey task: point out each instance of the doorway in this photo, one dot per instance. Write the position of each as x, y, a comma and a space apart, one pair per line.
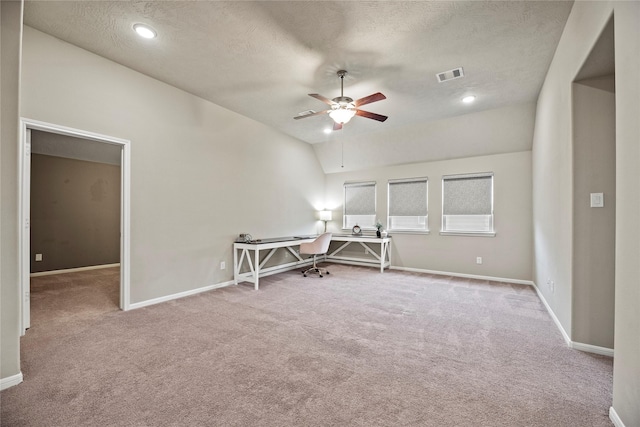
63, 140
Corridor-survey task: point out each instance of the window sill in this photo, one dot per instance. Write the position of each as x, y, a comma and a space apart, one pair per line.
469, 233
409, 231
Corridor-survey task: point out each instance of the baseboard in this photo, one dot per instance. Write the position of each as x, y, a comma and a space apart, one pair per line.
73, 270
10, 381
603, 351
615, 419
467, 276
178, 295
565, 335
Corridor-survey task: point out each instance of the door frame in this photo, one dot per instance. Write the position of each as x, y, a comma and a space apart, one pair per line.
24, 238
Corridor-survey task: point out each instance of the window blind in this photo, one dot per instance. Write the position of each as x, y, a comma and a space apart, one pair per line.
408, 204
359, 204
467, 203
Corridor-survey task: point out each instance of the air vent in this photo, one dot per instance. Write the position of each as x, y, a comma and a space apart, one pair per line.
456, 73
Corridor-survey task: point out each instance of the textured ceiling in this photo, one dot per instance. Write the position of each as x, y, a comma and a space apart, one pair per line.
262, 58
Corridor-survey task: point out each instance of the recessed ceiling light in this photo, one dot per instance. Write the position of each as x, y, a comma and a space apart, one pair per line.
469, 99
327, 130
145, 31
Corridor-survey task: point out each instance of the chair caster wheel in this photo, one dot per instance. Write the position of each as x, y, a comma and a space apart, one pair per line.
321, 275
304, 275
328, 272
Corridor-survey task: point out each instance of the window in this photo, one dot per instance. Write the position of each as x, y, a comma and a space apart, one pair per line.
359, 205
408, 205
467, 204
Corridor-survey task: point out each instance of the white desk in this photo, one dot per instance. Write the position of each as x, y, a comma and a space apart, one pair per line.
257, 267
242, 253
381, 258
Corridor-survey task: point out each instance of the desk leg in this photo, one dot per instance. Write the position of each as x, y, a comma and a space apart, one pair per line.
256, 269
383, 256
235, 266
389, 253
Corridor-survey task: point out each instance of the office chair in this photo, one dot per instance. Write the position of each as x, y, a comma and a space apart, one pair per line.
319, 246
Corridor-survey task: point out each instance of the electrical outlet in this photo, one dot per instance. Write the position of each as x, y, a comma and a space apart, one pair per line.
479, 260
38, 257
223, 265
551, 285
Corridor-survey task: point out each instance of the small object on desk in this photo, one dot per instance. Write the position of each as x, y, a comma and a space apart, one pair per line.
356, 230
244, 238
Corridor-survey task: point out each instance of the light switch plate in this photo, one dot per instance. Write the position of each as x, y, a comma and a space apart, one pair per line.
597, 200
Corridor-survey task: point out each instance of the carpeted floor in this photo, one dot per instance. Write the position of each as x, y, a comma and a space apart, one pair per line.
355, 348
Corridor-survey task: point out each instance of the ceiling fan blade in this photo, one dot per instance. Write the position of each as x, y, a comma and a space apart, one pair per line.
337, 126
322, 98
304, 115
369, 99
374, 116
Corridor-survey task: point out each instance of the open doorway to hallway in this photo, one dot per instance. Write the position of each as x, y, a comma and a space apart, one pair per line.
77, 203
75, 207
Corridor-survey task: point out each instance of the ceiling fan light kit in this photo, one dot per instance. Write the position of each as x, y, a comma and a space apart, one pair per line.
344, 108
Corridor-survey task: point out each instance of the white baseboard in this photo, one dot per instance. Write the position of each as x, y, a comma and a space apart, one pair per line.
267, 272
11, 381
615, 419
178, 295
73, 270
604, 351
467, 276
565, 335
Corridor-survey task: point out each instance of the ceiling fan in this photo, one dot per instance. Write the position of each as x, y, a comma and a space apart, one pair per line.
344, 108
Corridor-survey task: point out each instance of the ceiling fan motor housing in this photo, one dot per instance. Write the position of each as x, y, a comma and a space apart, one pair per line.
344, 108
343, 103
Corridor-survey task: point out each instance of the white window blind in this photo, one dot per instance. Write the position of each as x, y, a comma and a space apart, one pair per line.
467, 203
359, 205
408, 205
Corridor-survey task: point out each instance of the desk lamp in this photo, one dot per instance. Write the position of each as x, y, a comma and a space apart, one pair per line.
325, 216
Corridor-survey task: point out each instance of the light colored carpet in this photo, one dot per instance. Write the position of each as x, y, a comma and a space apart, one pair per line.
355, 348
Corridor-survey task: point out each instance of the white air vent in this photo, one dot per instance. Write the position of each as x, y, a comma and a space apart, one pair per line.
456, 73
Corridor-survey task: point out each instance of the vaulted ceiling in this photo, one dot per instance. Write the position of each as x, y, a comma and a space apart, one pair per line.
261, 58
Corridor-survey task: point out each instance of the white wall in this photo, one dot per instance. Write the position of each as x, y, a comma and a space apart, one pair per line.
200, 174
552, 188
507, 255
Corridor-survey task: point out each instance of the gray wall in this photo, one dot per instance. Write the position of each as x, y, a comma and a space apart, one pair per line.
507, 255
497, 131
553, 187
200, 174
594, 171
75, 212
10, 41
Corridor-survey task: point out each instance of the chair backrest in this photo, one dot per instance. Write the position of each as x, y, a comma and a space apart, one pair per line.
318, 246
